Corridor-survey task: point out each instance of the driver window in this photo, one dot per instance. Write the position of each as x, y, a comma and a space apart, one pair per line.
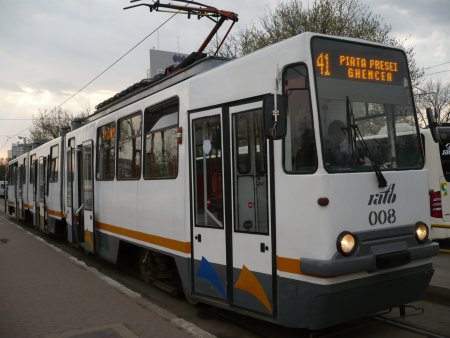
300, 155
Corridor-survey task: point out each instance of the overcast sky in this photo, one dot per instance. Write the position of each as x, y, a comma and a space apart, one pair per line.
51, 48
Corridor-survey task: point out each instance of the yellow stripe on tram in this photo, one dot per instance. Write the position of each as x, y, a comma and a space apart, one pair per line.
184, 247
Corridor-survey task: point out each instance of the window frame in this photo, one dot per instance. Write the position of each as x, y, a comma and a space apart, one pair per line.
87, 169
194, 177
70, 172
53, 172
98, 153
118, 130
175, 101
32, 169
253, 168
411, 97
24, 173
314, 170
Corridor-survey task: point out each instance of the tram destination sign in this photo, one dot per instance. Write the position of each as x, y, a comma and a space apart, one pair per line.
351, 61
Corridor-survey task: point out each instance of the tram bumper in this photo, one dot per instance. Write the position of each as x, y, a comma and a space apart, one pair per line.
389, 268
380, 249
316, 306
381, 257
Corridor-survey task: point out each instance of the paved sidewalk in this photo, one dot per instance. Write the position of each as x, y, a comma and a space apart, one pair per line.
44, 293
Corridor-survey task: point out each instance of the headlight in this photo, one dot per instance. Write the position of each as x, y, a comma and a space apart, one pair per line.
346, 243
421, 232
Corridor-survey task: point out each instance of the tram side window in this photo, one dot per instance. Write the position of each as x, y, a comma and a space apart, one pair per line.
70, 165
54, 152
130, 147
106, 152
161, 147
12, 175
24, 171
13, 179
87, 191
207, 166
19, 181
300, 155
32, 172
8, 175
41, 178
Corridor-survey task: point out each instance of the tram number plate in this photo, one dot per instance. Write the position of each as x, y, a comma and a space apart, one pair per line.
393, 259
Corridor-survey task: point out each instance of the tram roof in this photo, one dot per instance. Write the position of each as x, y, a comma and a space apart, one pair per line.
147, 87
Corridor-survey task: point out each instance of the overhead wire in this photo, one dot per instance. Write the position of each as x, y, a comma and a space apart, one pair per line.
120, 58
440, 64
442, 71
106, 69
437, 65
11, 137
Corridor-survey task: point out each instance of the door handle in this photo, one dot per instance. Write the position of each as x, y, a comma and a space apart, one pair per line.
264, 247
198, 237
90, 217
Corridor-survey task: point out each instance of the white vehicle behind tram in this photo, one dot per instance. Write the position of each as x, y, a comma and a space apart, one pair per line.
437, 161
225, 178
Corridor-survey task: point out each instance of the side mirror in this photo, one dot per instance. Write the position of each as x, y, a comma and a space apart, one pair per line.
274, 119
432, 124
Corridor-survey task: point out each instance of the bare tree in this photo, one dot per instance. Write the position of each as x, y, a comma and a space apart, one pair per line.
435, 95
3, 164
47, 123
348, 18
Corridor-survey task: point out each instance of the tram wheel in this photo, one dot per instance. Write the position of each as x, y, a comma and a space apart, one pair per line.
147, 265
191, 300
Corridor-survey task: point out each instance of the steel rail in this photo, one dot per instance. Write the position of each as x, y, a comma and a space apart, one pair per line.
408, 327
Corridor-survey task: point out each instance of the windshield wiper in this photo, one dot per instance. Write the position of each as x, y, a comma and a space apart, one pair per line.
382, 183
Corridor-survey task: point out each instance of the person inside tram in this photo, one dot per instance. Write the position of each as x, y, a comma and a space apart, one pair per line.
306, 158
334, 154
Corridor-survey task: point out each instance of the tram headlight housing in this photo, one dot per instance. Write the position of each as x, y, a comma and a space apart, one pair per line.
421, 232
346, 243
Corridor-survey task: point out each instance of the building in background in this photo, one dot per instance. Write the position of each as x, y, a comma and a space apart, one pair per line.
160, 60
18, 149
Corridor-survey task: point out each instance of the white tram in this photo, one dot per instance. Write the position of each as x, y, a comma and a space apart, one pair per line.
16, 189
233, 178
35, 191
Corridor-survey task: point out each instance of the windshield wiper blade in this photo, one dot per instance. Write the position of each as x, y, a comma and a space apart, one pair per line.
382, 183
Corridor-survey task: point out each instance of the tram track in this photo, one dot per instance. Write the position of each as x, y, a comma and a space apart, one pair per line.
408, 327
356, 328
253, 327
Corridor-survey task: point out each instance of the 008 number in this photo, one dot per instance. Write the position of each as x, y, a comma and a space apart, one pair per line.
382, 216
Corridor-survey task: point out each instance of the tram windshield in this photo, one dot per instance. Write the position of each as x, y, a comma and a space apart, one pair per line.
364, 95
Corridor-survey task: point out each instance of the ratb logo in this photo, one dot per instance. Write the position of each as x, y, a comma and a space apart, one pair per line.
385, 197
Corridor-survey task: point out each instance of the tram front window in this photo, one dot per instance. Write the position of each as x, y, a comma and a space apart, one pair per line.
364, 95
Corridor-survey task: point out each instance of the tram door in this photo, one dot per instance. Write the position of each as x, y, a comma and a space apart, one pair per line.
232, 254
69, 192
41, 184
19, 203
33, 183
87, 192
78, 203
251, 235
209, 227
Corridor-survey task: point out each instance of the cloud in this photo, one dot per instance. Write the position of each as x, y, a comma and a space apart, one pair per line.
51, 48
10, 86
424, 24
54, 85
